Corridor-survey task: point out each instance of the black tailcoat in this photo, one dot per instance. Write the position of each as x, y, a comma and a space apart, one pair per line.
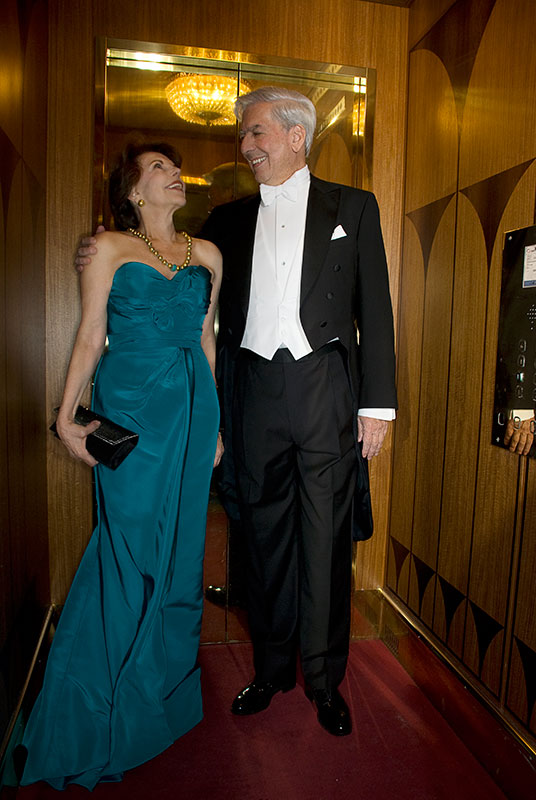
344, 292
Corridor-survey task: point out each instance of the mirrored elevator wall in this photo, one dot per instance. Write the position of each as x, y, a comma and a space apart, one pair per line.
462, 544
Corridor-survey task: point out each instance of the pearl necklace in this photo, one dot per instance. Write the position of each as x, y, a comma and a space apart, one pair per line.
154, 251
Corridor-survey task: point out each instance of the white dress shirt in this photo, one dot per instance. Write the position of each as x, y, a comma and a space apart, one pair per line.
273, 318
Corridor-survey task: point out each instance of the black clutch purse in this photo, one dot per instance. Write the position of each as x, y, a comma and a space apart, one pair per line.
110, 444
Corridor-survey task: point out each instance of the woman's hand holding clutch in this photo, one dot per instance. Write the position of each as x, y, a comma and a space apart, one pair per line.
74, 438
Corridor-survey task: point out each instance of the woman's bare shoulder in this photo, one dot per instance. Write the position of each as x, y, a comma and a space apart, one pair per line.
112, 240
113, 246
207, 254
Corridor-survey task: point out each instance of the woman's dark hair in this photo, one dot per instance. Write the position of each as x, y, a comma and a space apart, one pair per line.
126, 174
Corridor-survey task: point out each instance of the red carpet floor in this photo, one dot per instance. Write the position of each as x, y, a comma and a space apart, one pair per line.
401, 748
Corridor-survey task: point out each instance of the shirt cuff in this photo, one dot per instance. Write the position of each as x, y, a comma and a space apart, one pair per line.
377, 413
522, 413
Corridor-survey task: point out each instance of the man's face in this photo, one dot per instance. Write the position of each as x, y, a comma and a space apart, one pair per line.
273, 153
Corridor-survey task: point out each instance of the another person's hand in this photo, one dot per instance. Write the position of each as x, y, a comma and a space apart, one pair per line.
86, 249
219, 451
519, 435
371, 432
74, 438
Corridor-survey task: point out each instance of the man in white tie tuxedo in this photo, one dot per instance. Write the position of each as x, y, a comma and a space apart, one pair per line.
305, 317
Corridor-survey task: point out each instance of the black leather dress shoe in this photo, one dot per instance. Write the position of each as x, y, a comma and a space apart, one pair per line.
256, 697
221, 596
332, 712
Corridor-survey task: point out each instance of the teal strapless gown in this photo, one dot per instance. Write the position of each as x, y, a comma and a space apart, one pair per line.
122, 681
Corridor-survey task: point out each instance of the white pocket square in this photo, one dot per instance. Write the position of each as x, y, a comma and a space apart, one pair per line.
338, 233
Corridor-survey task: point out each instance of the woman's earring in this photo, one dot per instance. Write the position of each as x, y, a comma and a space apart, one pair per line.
141, 201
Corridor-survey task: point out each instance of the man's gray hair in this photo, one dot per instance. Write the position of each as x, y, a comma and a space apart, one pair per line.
289, 108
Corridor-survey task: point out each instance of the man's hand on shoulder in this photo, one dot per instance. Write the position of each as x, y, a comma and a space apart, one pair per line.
371, 432
86, 250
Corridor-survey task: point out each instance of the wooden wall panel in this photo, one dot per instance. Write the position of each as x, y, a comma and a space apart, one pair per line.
360, 33
500, 133
10, 132
5, 548
481, 165
432, 132
13, 377
464, 390
23, 512
423, 16
11, 73
521, 694
436, 333
409, 355
436, 330
69, 192
430, 187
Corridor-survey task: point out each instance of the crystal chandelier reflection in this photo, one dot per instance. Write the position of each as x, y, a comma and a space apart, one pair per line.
204, 99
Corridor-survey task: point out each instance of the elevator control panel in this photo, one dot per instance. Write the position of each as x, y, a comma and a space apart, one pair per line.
514, 425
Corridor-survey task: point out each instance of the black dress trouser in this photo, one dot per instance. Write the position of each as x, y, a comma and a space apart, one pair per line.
296, 471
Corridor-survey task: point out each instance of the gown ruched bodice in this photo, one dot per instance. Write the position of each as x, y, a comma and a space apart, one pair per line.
144, 304
122, 681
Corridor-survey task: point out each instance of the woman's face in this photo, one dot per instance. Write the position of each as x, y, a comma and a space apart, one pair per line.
159, 183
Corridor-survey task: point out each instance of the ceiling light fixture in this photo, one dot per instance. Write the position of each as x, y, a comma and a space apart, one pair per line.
204, 99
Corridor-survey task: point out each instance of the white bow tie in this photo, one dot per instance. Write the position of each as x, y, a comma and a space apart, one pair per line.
269, 193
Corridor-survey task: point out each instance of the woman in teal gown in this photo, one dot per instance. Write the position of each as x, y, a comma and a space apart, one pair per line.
122, 681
